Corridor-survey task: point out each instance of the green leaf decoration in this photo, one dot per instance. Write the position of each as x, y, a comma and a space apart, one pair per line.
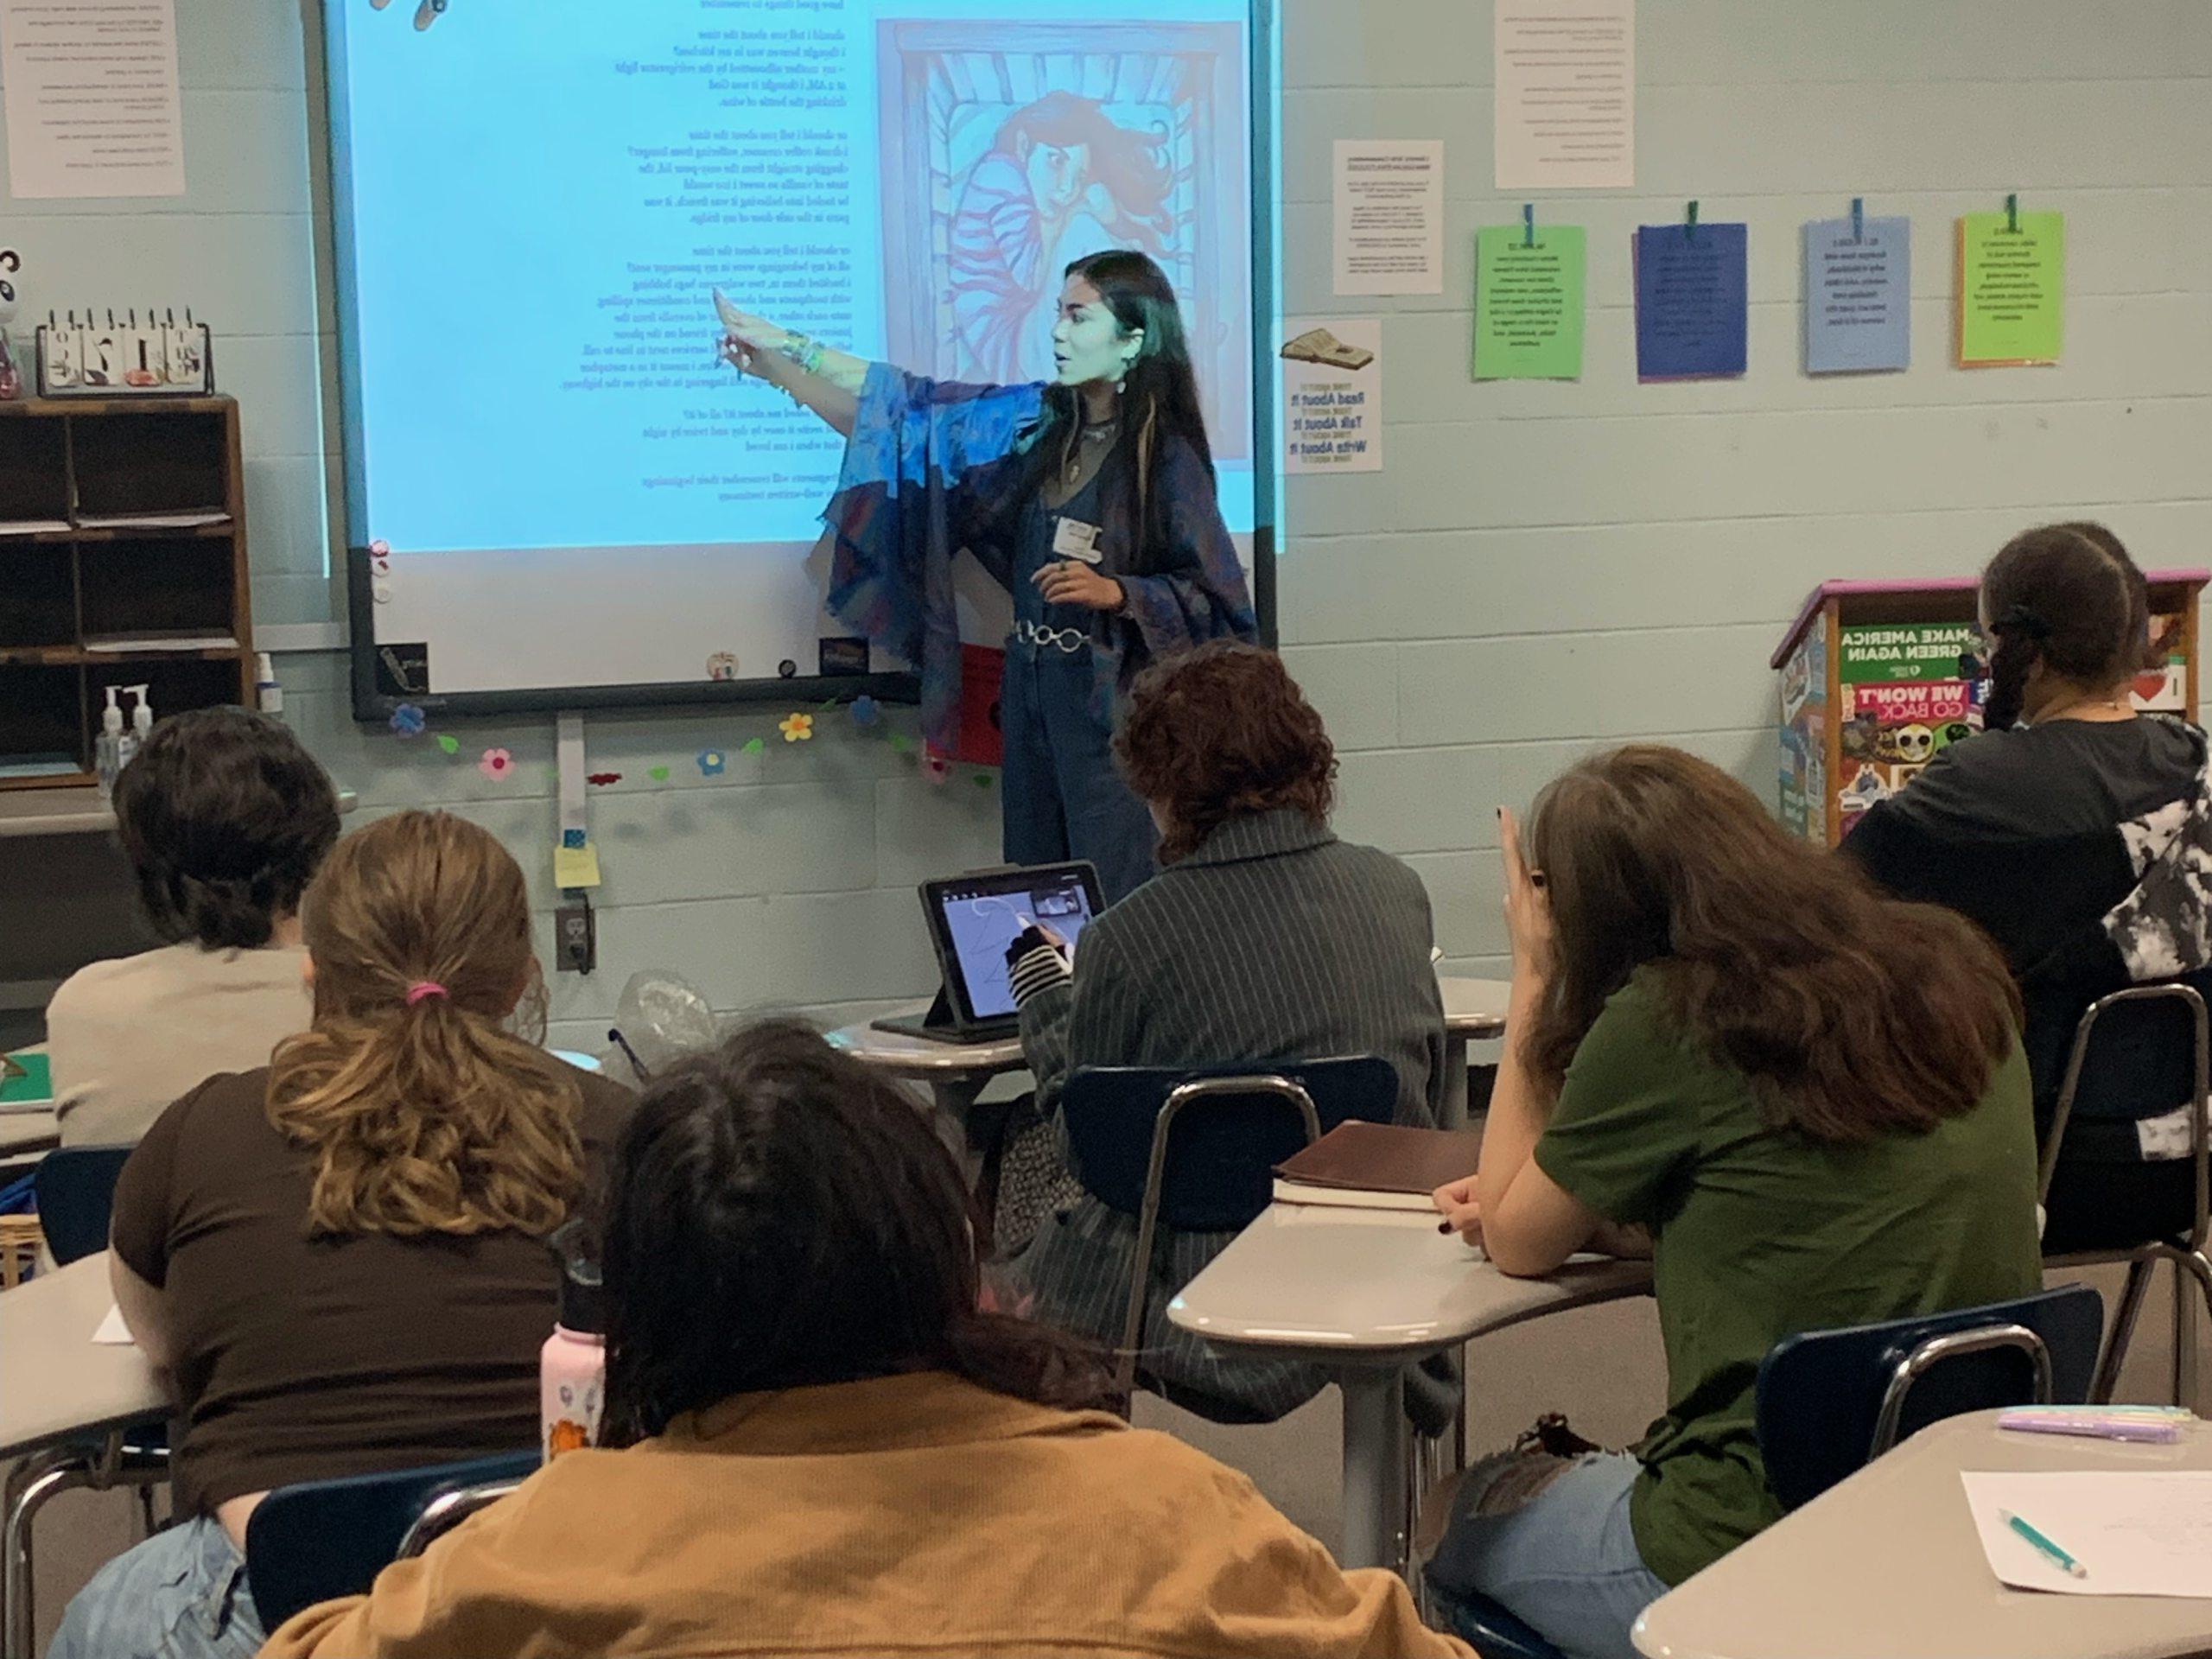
450, 745
982, 781
900, 742
753, 746
658, 775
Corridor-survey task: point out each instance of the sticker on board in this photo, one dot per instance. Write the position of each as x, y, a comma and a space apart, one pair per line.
402, 670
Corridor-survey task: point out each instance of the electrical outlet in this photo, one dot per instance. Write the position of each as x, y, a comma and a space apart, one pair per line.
575, 942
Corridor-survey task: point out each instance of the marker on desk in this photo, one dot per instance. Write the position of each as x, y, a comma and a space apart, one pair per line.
614, 1035
2156, 1425
2043, 1546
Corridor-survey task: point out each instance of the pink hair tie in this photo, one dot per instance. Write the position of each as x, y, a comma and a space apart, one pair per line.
422, 988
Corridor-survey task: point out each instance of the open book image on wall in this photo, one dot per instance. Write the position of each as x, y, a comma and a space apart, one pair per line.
1319, 345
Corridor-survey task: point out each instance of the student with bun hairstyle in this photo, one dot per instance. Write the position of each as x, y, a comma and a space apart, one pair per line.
2077, 833
224, 817
824, 1442
338, 1256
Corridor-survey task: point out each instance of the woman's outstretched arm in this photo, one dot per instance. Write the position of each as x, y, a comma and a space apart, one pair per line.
819, 376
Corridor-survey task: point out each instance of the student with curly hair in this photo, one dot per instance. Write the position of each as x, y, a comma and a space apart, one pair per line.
1264, 938
225, 818
338, 1256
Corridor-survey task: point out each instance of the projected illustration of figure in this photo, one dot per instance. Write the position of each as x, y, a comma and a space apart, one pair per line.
1059, 167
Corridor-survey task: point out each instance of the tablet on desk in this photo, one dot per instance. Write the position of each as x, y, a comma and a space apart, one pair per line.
972, 918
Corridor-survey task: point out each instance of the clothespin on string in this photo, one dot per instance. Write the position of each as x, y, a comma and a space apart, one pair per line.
1859, 218
1528, 224
1689, 224
2012, 214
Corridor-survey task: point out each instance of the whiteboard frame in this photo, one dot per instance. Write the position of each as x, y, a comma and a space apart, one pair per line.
372, 706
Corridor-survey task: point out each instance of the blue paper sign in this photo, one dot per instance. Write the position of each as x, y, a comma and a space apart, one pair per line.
1858, 295
1690, 317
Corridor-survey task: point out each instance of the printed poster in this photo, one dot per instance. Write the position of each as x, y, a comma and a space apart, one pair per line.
1333, 395
1390, 200
1910, 690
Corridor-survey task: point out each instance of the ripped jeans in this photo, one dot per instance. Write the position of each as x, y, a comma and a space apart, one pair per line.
1548, 1538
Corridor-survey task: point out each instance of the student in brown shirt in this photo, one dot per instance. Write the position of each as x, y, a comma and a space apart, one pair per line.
832, 1450
338, 1257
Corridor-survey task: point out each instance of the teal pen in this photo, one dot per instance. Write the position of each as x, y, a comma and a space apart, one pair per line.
2042, 1544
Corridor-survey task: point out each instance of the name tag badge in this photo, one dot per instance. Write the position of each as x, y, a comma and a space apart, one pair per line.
1073, 539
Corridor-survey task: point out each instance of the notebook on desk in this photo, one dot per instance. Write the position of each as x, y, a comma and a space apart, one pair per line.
26, 1083
1363, 1165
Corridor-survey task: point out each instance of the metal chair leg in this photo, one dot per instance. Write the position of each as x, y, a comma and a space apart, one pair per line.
2123, 1329
2188, 1265
58, 1474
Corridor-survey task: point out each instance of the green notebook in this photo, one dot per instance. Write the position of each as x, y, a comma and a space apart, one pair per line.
29, 1080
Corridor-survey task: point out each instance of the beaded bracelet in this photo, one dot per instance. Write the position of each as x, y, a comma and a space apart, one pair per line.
804, 351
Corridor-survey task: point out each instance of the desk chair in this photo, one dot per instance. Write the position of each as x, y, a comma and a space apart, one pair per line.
1248, 1120
2187, 1254
1829, 1402
322, 1539
75, 1187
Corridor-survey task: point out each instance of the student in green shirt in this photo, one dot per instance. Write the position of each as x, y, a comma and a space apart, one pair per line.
1805, 1100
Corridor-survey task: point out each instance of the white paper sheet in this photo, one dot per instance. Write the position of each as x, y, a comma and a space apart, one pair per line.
91, 90
1565, 94
1389, 199
2147, 1533
113, 1333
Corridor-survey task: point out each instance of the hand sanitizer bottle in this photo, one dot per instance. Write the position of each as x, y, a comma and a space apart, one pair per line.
107, 753
141, 721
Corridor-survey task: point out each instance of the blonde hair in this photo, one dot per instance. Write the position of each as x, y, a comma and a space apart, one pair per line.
425, 1113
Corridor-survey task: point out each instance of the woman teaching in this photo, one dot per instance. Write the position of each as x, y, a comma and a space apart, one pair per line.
1091, 499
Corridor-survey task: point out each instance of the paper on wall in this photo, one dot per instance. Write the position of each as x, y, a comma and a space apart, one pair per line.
113, 1333
1389, 207
1333, 395
91, 88
1564, 75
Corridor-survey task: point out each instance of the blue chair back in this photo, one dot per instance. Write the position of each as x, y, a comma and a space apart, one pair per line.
76, 1197
1830, 1401
325, 1538
1220, 1154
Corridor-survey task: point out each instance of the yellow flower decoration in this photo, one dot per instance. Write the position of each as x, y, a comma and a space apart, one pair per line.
797, 728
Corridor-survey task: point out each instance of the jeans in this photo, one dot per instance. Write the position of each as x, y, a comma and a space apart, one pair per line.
1563, 1561
182, 1594
1060, 794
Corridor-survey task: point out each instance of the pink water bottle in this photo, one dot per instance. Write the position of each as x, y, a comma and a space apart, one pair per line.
572, 1366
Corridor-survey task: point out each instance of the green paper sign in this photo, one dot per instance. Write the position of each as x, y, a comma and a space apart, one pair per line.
2012, 288
1529, 303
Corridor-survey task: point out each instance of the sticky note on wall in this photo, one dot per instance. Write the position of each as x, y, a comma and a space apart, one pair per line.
1691, 297
576, 867
1858, 295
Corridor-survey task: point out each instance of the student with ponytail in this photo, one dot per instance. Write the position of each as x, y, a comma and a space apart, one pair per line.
338, 1257
2077, 833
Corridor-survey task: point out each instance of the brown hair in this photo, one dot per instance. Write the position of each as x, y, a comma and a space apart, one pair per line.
781, 1217
425, 1114
1851, 1014
2068, 597
1219, 733
224, 816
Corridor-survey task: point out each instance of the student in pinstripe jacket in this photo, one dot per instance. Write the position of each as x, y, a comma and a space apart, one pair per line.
1264, 938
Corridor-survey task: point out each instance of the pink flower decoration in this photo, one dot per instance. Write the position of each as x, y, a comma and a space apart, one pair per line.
496, 764
936, 768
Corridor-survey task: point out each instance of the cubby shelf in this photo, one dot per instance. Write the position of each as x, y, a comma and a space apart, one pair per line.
73, 467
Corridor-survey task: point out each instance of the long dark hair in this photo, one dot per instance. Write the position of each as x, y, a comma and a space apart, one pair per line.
780, 1216
1852, 1014
1159, 397
1129, 162
2068, 597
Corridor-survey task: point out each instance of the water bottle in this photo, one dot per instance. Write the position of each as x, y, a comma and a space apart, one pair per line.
572, 1366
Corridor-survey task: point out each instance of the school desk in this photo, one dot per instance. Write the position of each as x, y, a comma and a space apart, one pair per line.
1886, 1565
1366, 1294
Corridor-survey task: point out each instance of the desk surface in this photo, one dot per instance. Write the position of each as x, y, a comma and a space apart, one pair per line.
1887, 1566
1337, 1284
23, 1132
55, 1380
1473, 1008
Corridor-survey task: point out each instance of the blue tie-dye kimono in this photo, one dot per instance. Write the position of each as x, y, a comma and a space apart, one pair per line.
933, 466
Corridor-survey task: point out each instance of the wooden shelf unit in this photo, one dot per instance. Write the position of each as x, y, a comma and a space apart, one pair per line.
63, 460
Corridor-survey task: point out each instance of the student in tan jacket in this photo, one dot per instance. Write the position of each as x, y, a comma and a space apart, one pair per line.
828, 1449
